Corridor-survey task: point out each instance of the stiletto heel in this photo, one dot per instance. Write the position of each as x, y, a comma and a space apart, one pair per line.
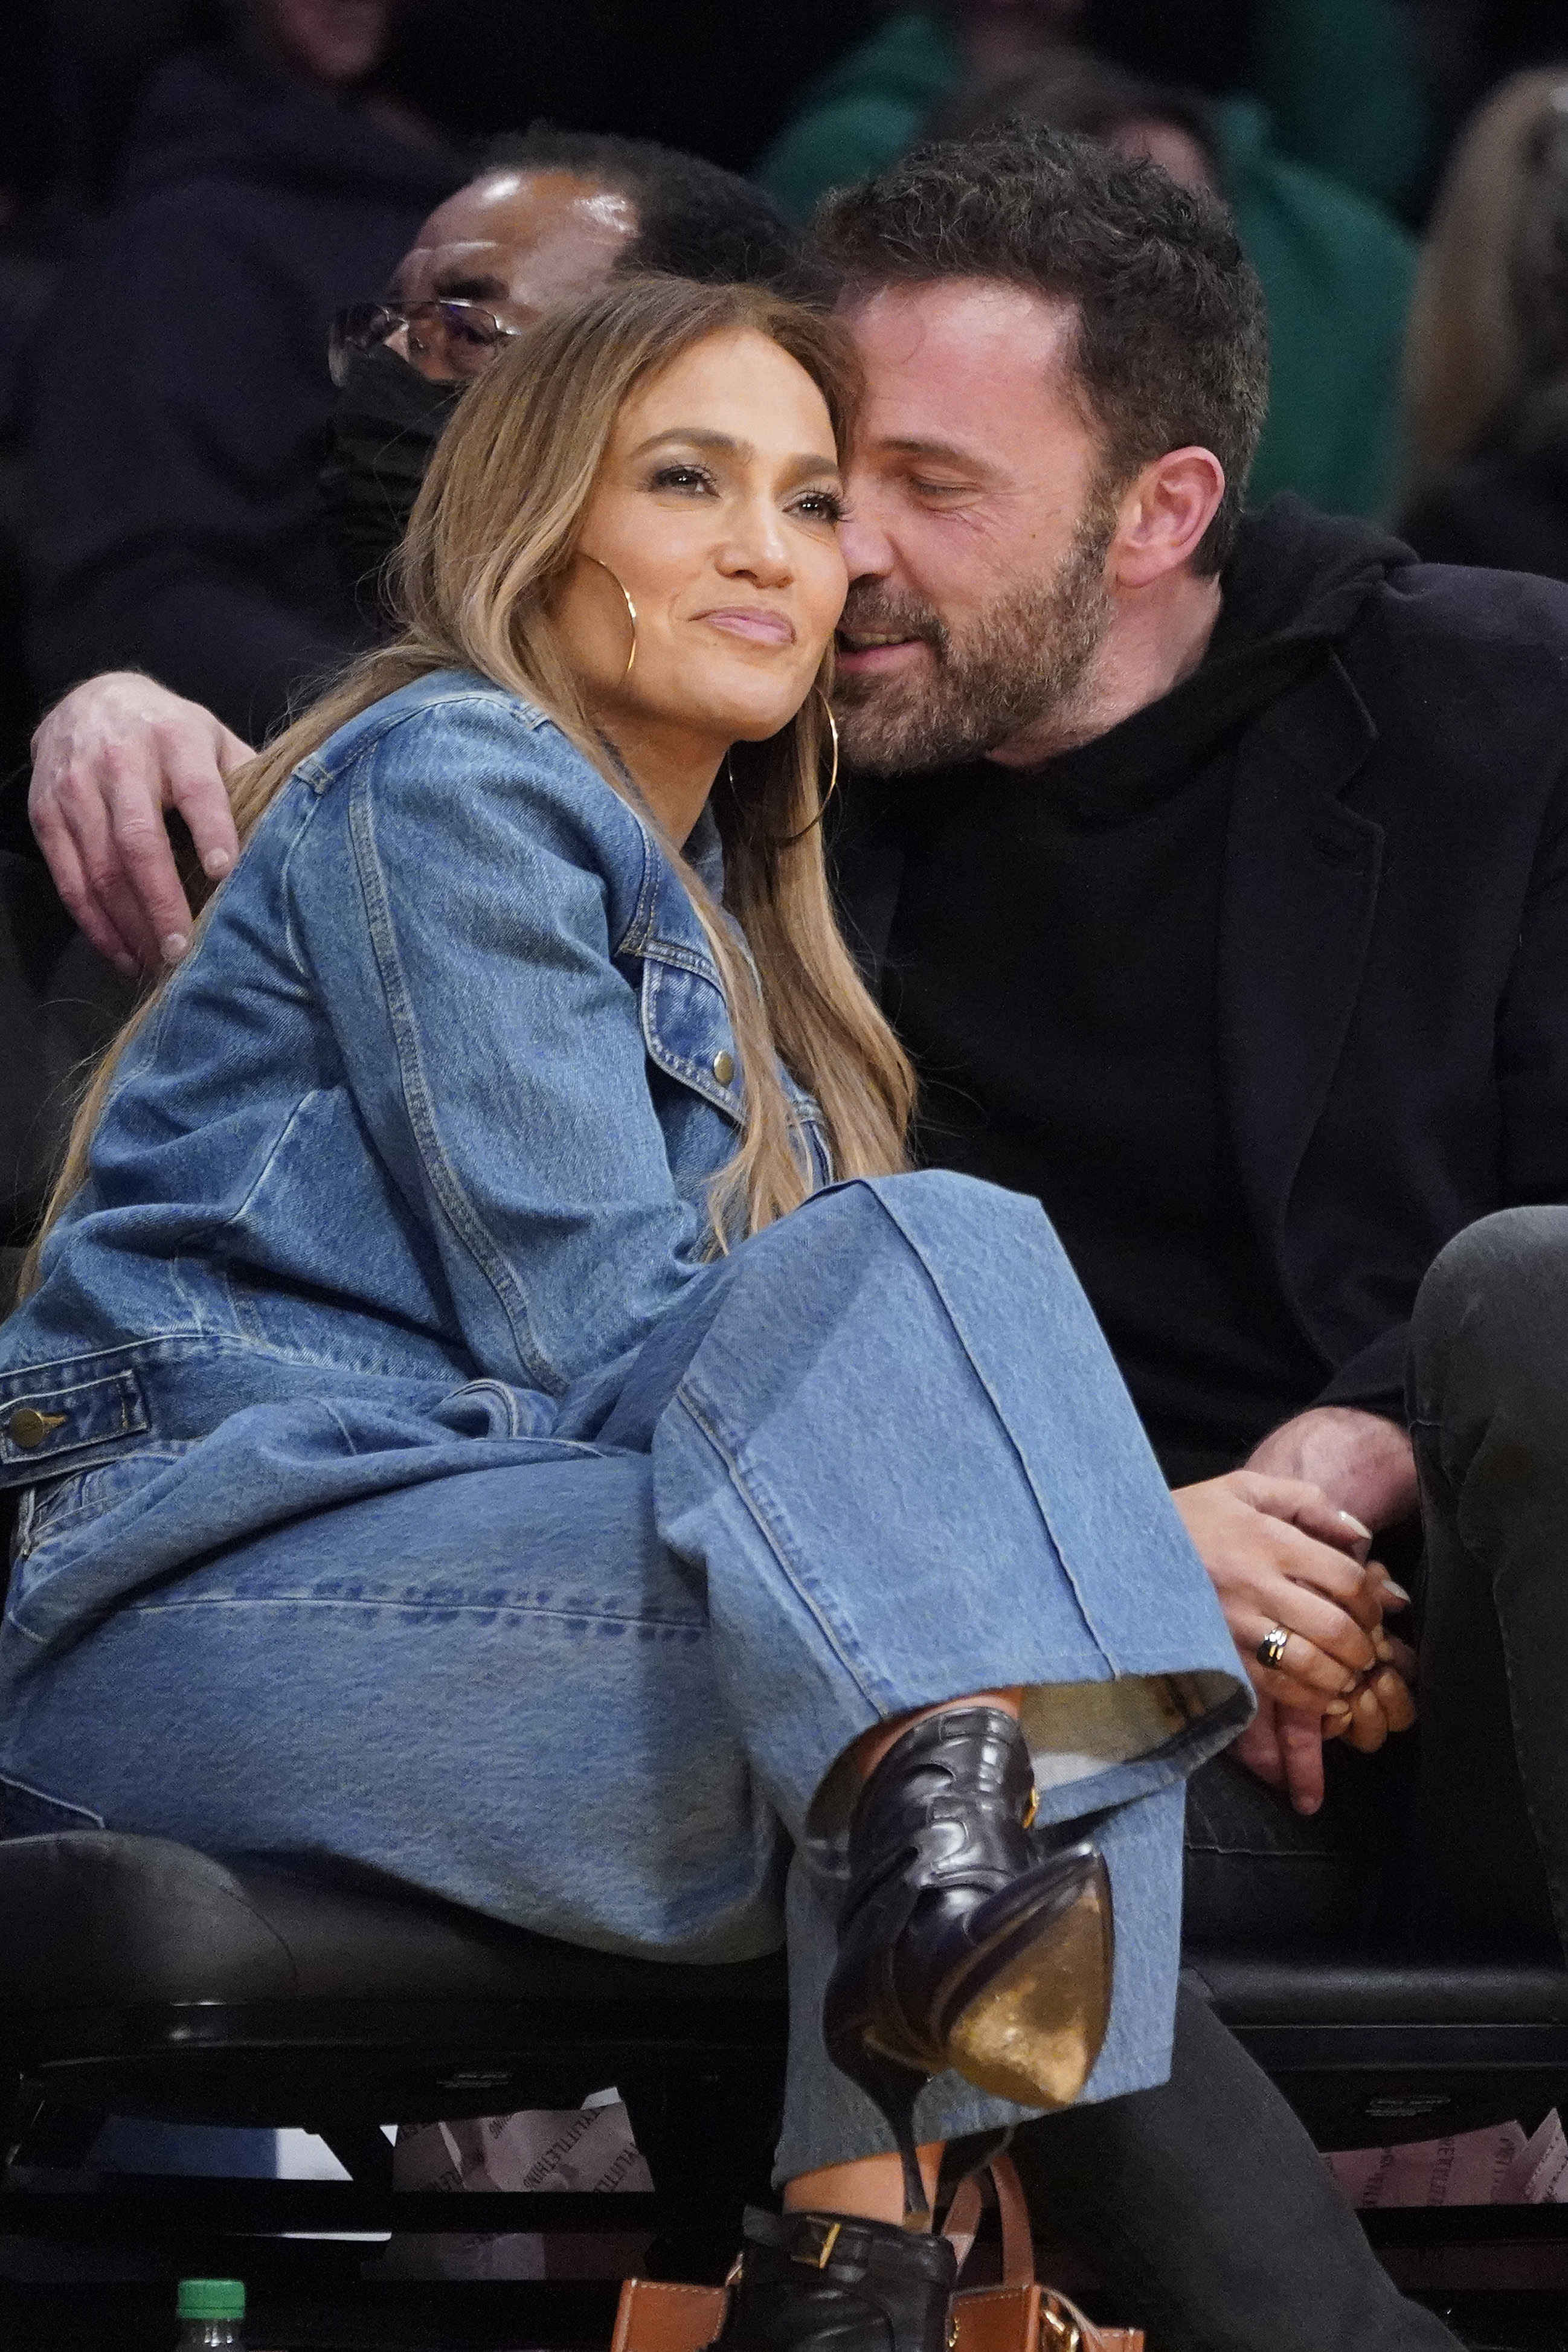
893, 2088
964, 1941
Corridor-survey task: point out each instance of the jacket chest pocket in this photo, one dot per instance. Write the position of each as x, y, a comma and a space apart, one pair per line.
688, 1034
686, 1028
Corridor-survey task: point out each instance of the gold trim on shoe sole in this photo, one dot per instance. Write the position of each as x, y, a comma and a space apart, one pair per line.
1034, 2034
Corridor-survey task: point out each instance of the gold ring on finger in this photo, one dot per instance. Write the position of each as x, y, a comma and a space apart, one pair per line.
1272, 1649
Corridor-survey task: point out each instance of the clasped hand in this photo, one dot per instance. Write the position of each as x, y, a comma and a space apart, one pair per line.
1279, 1552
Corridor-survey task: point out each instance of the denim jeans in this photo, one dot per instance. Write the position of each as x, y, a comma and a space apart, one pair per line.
597, 1684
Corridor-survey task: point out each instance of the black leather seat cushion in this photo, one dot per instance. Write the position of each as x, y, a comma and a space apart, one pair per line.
1266, 1990
89, 1919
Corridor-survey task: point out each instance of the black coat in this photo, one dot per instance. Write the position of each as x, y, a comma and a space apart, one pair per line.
1393, 957
180, 397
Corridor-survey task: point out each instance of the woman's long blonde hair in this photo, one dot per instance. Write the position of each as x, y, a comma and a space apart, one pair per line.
490, 543
1488, 322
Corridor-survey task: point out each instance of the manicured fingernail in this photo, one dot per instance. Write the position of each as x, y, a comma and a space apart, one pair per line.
1366, 1703
1338, 1713
1397, 1590
173, 944
1383, 1646
216, 861
125, 964
1356, 1524
1307, 1804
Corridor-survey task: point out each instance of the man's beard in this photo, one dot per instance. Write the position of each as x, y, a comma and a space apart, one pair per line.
1021, 662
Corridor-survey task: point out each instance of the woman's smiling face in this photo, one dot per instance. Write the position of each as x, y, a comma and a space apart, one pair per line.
717, 508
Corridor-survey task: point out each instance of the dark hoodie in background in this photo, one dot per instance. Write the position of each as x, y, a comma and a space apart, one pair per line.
180, 394
1260, 992
1506, 506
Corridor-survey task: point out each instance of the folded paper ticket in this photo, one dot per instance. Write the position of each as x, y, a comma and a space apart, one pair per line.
1496, 2166
581, 2148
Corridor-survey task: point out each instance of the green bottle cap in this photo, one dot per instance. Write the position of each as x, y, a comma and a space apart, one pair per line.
212, 2299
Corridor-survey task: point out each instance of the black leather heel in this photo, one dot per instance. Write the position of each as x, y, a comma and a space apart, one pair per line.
965, 1942
892, 2087
832, 2283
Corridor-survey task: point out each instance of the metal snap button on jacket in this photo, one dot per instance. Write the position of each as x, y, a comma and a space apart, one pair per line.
723, 1066
29, 1427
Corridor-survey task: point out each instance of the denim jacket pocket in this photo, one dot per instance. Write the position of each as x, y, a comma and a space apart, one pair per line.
686, 1026
688, 1031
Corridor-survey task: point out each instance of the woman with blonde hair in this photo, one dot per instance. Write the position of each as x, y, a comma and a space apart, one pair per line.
491, 1398
1486, 352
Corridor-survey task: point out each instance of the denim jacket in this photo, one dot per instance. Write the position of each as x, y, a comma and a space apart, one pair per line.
434, 1101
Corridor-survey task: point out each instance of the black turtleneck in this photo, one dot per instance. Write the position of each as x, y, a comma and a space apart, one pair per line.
1051, 966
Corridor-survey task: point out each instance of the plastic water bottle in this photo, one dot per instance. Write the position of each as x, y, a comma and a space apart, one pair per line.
212, 2315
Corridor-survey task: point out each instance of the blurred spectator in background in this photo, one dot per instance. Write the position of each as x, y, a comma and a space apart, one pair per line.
1071, 90
1336, 269
1487, 366
1345, 82
180, 395
30, 237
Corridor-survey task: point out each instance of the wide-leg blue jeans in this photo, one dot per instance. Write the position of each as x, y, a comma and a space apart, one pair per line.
598, 1683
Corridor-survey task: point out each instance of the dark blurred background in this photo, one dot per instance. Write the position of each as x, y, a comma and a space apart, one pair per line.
703, 74
1307, 125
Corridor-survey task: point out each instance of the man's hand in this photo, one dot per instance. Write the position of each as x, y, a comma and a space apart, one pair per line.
1362, 1462
1286, 1752
107, 761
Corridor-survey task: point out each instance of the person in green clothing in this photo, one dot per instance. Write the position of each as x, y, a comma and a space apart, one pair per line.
1337, 269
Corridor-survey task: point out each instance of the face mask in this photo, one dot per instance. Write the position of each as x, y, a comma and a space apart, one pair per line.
383, 430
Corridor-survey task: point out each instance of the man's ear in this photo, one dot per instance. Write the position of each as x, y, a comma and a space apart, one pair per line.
1164, 516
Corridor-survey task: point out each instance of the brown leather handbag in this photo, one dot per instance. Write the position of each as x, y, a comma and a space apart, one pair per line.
1019, 2316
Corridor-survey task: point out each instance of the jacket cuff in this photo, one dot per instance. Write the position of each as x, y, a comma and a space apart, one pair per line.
1374, 1379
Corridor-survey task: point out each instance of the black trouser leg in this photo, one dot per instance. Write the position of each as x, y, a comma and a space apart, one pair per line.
1489, 1397
1211, 2218
1204, 2205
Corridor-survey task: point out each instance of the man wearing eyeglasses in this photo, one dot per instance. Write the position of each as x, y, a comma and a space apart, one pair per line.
181, 414
556, 215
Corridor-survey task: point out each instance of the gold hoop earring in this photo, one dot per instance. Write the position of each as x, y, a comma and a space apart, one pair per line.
631, 612
833, 778
790, 839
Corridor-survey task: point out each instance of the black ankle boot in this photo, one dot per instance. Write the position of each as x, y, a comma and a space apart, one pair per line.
964, 1940
830, 2283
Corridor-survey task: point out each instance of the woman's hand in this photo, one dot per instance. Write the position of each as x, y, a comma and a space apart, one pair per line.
1284, 1749
1280, 1553
1284, 1743
1386, 1700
